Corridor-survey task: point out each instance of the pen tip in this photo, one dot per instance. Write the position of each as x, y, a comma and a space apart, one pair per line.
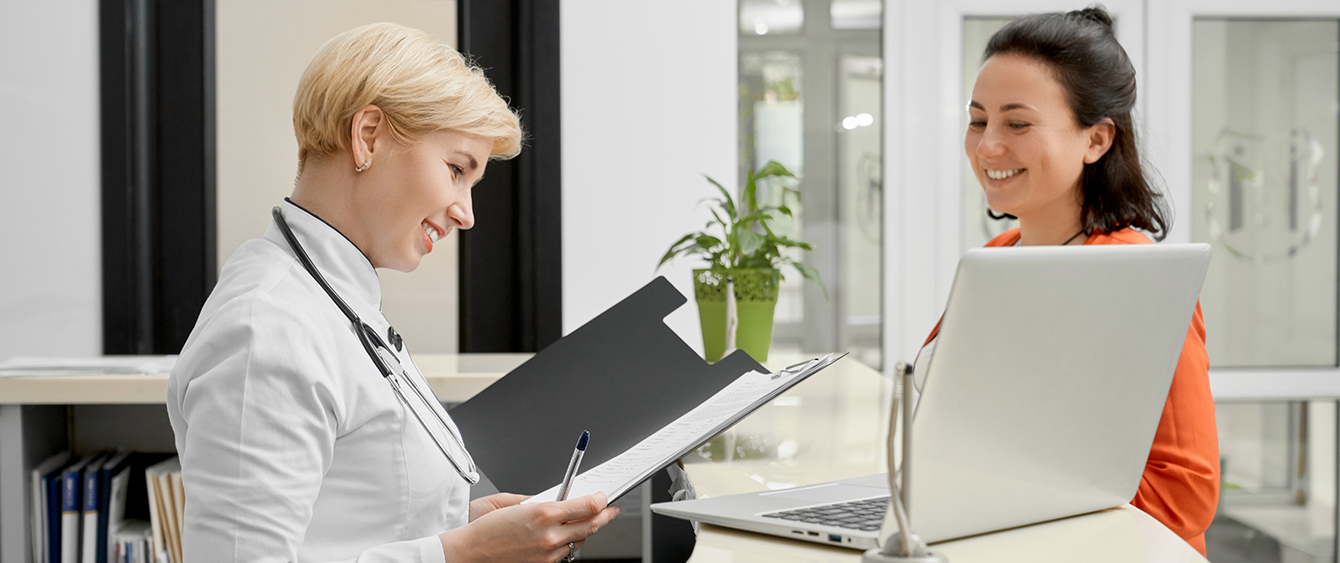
586, 436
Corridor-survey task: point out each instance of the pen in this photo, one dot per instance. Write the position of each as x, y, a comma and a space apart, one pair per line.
573, 464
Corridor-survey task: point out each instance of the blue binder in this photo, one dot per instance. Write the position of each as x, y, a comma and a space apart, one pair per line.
109, 469
54, 481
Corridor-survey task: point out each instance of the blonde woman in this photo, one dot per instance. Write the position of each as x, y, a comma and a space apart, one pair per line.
306, 432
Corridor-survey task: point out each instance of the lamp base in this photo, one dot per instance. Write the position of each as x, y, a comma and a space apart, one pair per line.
875, 556
919, 552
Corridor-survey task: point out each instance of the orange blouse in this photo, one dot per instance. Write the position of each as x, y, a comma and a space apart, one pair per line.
1180, 485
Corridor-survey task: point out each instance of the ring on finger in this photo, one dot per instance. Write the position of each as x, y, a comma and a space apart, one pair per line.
572, 554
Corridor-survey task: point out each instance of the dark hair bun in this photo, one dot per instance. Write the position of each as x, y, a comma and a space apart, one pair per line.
1096, 13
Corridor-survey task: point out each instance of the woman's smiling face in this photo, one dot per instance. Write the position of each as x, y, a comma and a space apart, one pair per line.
1023, 141
421, 191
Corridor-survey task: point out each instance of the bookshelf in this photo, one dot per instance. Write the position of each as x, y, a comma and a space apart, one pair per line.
40, 416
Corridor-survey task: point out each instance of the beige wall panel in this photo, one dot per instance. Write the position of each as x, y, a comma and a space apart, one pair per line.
263, 47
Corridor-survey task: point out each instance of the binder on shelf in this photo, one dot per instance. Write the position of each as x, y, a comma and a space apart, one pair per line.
111, 503
624, 376
42, 505
88, 542
71, 516
127, 499
165, 504
55, 512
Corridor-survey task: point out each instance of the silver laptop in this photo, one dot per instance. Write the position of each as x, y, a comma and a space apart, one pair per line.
1041, 400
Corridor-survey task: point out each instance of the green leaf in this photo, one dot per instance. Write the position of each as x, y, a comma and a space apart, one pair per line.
750, 242
774, 168
756, 262
698, 251
707, 242
724, 225
785, 210
728, 204
810, 274
671, 253
750, 190
768, 229
794, 243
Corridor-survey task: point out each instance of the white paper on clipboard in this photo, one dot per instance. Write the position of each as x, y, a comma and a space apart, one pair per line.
728, 406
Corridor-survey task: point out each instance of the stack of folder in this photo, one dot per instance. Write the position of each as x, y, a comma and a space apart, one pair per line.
97, 509
167, 507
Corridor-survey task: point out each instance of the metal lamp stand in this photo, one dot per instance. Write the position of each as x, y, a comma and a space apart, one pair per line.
903, 546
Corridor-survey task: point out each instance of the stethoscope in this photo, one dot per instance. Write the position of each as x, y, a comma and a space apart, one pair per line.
384, 360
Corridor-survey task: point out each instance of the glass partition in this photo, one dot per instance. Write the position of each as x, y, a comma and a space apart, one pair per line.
1264, 188
776, 17
1264, 124
860, 189
1277, 494
771, 128
856, 14
810, 98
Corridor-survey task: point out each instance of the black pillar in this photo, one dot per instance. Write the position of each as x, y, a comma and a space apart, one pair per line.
511, 296
158, 224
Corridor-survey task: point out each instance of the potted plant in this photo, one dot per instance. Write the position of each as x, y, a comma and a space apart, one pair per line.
748, 253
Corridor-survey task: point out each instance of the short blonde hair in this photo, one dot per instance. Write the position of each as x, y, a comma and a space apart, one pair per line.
421, 86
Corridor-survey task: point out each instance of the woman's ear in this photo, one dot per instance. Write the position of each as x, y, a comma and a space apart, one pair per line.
365, 132
1100, 135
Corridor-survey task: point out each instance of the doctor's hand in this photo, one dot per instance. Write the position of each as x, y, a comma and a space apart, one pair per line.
538, 533
485, 505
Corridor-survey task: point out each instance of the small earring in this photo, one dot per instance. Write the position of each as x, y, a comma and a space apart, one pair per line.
366, 164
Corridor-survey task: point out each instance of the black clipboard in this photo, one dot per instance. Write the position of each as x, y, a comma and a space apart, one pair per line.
623, 376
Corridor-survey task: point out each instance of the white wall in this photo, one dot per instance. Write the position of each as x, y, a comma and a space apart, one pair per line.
50, 232
263, 47
649, 100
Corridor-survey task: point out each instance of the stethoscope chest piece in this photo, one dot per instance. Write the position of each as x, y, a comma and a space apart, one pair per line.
394, 338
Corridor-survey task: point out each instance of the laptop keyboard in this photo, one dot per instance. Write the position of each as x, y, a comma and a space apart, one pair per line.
864, 515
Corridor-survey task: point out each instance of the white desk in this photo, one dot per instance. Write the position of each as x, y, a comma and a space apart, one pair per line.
40, 416
453, 377
829, 427
832, 427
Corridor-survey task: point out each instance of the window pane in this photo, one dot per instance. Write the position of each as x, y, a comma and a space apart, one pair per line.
771, 17
772, 128
1264, 188
1278, 470
811, 100
856, 14
860, 200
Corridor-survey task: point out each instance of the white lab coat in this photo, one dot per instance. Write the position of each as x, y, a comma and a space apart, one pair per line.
293, 446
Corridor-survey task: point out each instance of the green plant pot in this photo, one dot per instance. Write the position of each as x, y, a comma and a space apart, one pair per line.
755, 301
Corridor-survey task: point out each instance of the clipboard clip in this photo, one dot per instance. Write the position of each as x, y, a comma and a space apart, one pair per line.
800, 367
794, 368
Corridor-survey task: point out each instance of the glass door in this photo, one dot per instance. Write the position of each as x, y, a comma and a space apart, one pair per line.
1246, 117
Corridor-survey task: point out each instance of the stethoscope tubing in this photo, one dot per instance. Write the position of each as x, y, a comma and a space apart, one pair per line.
371, 341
